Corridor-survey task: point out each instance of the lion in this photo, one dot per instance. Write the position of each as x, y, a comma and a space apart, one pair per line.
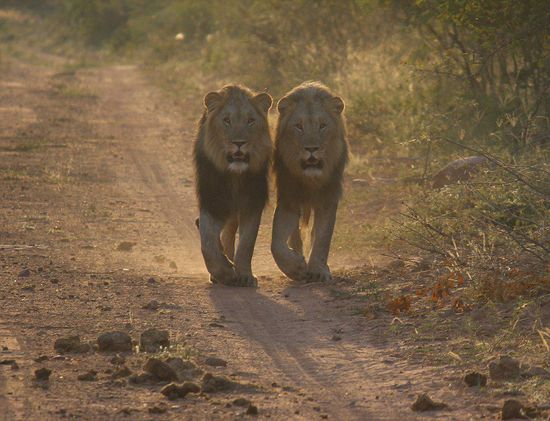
232, 156
311, 152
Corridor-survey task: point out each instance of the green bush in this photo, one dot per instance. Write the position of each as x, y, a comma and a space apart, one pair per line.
97, 20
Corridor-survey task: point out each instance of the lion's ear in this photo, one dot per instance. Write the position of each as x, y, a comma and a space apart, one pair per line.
283, 104
212, 100
263, 101
336, 104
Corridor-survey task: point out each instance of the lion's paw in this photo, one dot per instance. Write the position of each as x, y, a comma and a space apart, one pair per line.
246, 281
318, 273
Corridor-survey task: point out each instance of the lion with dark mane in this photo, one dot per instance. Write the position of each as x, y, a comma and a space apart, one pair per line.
311, 152
232, 158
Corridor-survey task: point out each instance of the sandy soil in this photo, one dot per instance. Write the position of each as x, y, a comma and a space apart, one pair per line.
93, 158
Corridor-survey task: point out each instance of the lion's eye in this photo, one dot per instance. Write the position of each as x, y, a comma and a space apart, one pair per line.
299, 127
322, 126
251, 121
227, 121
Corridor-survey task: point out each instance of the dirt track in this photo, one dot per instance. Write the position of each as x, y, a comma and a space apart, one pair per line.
93, 158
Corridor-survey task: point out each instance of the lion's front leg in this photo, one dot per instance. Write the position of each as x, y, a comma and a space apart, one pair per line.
219, 267
249, 223
323, 227
291, 263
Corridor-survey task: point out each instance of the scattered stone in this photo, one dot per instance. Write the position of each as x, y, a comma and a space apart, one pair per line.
425, 403
252, 410
126, 246
160, 370
152, 280
214, 324
158, 409
41, 358
14, 365
241, 402
25, 273
152, 305
336, 338
42, 374
212, 384
475, 379
29, 288
536, 371
54, 281
152, 340
90, 376
7, 362
185, 369
172, 265
114, 342
459, 170
512, 409
141, 378
71, 344
121, 372
505, 368
174, 391
59, 358
118, 360
215, 362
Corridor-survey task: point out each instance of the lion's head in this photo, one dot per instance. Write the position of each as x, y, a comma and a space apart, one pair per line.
311, 132
236, 130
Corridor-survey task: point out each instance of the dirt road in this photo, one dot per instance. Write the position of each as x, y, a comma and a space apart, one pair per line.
97, 199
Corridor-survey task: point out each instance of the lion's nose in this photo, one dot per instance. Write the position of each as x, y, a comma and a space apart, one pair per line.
311, 149
239, 143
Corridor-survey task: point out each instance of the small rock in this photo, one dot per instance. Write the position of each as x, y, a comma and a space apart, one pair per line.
241, 402
505, 368
475, 379
151, 280
512, 409
536, 372
14, 365
71, 344
141, 378
152, 340
425, 403
7, 362
42, 374
214, 324
152, 305
25, 273
185, 369
215, 362
175, 391
29, 288
90, 376
114, 342
41, 358
126, 246
211, 383
158, 409
252, 410
160, 370
336, 338
121, 372
118, 360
